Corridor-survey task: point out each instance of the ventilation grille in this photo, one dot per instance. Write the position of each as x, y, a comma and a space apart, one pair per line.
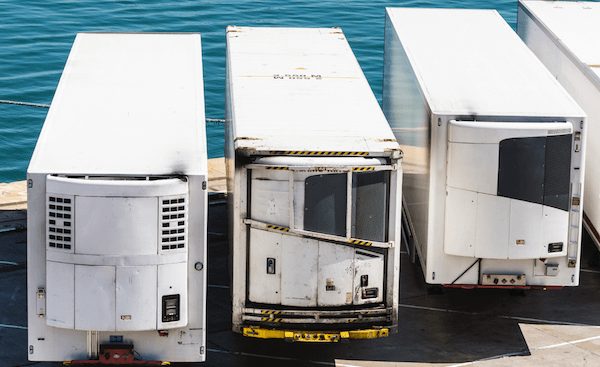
173, 223
60, 225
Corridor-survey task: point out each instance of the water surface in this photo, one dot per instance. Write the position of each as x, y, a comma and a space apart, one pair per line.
36, 37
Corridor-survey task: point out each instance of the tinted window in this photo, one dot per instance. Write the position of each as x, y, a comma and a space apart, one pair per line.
521, 169
369, 205
557, 182
536, 169
325, 204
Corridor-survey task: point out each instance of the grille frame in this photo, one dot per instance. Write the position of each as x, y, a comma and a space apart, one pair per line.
60, 222
173, 223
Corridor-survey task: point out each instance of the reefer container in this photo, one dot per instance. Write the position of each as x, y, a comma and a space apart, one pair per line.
565, 36
117, 205
494, 151
314, 180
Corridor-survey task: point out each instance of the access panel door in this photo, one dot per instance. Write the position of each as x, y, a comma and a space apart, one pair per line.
264, 267
336, 274
136, 298
60, 289
95, 297
299, 264
368, 277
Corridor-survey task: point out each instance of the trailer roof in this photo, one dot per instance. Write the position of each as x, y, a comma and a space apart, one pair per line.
471, 62
576, 24
301, 89
127, 104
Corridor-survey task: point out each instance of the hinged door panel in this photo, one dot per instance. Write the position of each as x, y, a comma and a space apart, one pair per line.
299, 271
265, 267
368, 277
60, 284
336, 274
95, 298
136, 298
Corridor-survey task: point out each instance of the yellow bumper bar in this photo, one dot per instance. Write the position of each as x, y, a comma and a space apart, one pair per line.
314, 336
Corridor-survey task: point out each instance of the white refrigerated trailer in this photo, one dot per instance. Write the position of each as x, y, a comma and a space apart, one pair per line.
493, 151
117, 205
565, 36
314, 180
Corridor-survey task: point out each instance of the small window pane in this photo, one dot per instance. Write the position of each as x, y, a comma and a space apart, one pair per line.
325, 204
370, 205
557, 180
536, 169
521, 169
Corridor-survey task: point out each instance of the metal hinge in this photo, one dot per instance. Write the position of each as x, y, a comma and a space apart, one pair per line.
41, 302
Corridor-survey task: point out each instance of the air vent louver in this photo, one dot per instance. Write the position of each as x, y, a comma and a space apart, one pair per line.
173, 223
59, 232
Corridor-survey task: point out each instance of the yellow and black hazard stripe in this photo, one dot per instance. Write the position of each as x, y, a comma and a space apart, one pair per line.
359, 242
363, 168
271, 320
304, 152
278, 168
314, 336
277, 228
269, 312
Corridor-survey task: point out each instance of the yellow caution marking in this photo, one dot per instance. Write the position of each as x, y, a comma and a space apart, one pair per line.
278, 168
314, 336
369, 334
277, 228
296, 76
271, 320
363, 168
269, 312
359, 242
304, 152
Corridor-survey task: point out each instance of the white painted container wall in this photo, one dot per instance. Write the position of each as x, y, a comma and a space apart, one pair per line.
117, 202
493, 150
565, 36
304, 136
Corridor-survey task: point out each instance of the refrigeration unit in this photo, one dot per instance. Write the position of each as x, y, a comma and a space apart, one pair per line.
314, 178
493, 147
117, 205
565, 36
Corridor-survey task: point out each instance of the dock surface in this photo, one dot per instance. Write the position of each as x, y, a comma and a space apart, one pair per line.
457, 327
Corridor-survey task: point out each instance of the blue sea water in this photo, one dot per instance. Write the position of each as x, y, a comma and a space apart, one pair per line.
36, 37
